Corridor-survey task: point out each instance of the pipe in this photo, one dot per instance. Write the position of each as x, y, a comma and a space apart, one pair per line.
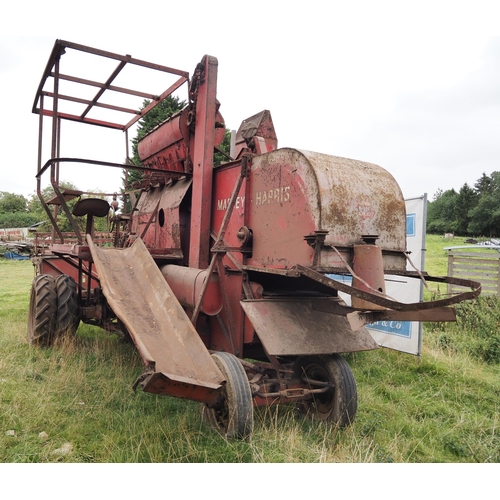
187, 284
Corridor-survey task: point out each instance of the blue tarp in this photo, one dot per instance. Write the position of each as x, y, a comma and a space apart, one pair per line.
15, 256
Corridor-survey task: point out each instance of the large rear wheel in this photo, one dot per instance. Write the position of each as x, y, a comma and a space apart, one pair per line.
43, 310
233, 418
67, 306
339, 403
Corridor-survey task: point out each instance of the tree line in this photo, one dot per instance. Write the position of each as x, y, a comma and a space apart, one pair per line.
472, 211
18, 211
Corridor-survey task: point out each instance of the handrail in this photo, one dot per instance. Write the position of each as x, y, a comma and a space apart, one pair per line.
105, 164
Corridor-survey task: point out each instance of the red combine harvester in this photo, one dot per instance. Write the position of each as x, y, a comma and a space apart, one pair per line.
221, 276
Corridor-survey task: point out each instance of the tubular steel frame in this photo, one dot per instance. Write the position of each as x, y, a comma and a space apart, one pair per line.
52, 71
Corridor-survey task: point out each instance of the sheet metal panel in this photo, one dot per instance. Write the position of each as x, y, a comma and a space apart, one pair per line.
141, 298
295, 327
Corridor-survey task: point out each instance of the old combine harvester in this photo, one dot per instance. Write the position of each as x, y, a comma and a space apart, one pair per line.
221, 275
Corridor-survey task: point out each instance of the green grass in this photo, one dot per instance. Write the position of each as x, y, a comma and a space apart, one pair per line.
476, 331
436, 259
443, 407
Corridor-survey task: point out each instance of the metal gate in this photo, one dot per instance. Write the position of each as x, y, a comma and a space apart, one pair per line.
478, 266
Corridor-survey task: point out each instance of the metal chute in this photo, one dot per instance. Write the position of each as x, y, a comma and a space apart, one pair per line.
135, 289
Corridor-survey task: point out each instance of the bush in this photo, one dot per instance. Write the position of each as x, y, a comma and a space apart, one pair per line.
17, 219
475, 332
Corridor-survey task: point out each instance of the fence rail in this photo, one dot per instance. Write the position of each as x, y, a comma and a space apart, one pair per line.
483, 267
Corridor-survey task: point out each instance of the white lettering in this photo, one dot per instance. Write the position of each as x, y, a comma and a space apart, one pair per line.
277, 195
286, 196
223, 203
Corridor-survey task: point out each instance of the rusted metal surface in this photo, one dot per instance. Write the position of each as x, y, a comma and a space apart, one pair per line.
203, 91
291, 195
188, 283
368, 269
158, 217
357, 319
139, 295
67, 194
63, 263
103, 86
294, 327
168, 146
392, 304
256, 133
94, 206
358, 198
60, 106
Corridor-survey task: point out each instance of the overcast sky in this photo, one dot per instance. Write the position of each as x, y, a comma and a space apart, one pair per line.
414, 91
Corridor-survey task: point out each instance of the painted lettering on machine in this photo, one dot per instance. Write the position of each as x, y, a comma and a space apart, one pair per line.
223, 203
266, 197
276, 195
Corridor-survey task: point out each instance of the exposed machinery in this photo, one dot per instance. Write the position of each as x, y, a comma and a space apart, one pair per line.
221, 276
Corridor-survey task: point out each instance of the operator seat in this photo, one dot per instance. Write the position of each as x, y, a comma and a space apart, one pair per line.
91, 207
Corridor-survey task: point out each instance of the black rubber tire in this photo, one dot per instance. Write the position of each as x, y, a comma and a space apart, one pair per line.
339, 404
234, 417
68, 318
42, 311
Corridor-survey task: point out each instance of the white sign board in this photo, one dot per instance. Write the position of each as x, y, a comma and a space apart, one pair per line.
405, 336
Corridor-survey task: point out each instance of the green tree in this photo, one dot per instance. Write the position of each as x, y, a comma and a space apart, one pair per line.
35, 207
11, 202
473, 211
17, 219
225, 146
483, 185
495, 181
485, 216
466, 201
437, 194
442, 215
13, 211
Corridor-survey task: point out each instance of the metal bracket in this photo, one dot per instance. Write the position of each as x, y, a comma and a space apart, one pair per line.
392, 304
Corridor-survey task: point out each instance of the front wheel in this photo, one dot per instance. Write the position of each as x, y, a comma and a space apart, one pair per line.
233, 418
340, 402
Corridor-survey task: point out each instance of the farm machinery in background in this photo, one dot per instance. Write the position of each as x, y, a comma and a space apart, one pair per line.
221, 276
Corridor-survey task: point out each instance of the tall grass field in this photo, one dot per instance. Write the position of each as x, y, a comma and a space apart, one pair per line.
74, 402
